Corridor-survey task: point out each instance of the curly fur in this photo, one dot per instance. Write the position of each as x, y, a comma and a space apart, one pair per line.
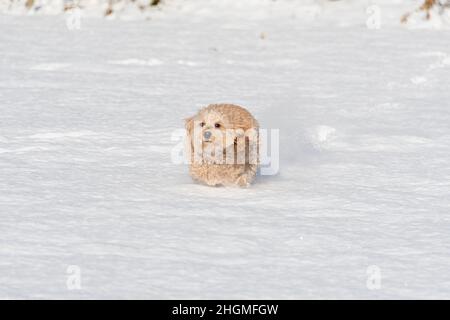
230, 156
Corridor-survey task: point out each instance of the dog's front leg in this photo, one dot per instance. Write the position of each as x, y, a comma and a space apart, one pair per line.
245, 179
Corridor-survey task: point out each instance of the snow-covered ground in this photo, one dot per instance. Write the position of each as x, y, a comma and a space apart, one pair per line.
86, 177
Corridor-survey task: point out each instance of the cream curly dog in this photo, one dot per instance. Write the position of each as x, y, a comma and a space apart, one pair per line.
222, 141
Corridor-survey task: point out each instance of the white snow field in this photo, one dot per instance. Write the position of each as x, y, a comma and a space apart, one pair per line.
360, 208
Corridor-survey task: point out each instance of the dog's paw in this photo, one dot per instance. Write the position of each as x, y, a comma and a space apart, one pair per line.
243, 181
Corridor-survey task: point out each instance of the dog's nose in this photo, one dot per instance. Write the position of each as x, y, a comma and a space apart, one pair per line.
207, 135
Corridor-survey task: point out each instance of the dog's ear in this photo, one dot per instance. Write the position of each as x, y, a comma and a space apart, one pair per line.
252, 144
189, 125
252, 132
246, 145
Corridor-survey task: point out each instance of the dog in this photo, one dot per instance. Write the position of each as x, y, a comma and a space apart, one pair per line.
222, 145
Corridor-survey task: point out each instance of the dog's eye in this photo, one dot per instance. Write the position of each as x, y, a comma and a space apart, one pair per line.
217, 125
202, 124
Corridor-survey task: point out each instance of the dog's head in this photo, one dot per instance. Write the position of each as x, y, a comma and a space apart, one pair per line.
216, 128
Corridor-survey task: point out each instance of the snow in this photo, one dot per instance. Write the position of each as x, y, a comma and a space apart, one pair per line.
86, 125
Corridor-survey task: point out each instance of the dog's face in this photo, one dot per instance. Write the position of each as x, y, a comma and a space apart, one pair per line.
213, 127
210, 129
216, 128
